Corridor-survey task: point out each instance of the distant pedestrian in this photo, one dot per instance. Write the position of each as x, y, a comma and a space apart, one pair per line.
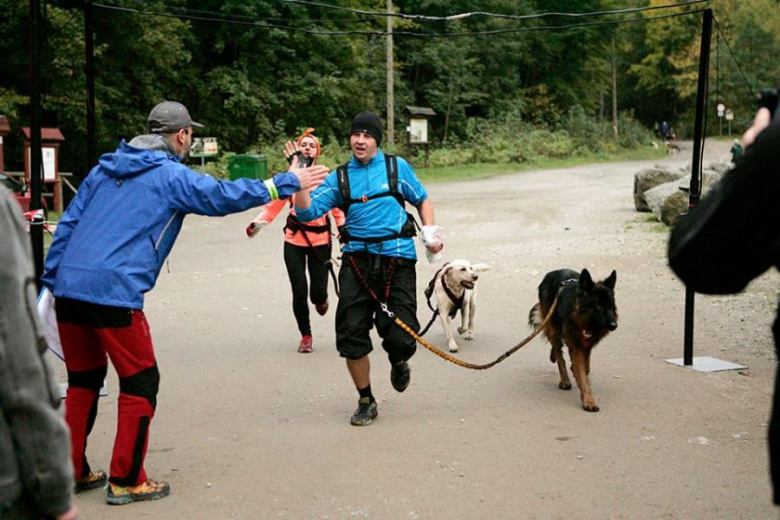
666, 132
736, 150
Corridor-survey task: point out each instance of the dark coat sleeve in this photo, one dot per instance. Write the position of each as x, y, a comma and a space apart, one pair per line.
733, 236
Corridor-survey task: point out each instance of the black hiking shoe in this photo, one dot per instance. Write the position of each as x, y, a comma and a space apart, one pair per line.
366, 412
400, 376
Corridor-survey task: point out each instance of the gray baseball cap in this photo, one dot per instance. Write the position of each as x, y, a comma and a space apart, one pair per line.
170, 116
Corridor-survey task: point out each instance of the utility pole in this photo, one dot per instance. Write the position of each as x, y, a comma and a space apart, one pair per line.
614, 91
390, 103
36, 158
89, 69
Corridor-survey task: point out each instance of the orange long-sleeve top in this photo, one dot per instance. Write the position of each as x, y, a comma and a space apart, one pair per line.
270, 211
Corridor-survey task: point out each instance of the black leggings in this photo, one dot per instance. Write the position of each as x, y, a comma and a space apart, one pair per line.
295, 259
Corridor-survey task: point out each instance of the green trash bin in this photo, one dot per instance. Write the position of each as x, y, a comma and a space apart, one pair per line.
248, 166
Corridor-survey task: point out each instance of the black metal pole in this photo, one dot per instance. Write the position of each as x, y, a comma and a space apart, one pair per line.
89, 70
36, 153
696, 168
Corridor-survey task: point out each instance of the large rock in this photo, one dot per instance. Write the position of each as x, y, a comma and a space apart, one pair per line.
720, 167
672, 207
649, 179
655, 197
668, 201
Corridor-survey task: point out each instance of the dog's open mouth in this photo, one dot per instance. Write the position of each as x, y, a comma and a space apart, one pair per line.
467, 284
587, 334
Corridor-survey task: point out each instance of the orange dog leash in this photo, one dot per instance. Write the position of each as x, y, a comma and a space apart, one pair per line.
437, 351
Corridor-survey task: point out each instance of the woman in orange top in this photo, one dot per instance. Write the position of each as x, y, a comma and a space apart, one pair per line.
303, 243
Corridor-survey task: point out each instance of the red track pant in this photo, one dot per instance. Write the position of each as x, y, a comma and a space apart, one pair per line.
87, 350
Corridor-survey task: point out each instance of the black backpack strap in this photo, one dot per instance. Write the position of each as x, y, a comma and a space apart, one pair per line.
391, 163
346, 195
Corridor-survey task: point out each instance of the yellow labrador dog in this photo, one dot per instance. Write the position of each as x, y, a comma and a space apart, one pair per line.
455, 289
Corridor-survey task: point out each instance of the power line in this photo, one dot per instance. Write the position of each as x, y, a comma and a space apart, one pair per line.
327, 32
744, 78
228, 16
461, 16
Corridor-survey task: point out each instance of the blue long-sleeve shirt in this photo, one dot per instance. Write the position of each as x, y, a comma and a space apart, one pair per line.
377, 217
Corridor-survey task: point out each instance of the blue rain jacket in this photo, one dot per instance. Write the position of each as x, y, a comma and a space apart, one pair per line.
117, 232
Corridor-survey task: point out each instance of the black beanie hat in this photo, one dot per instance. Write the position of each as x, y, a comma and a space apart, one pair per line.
369, 123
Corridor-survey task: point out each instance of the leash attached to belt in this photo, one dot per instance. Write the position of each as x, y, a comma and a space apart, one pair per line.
438, 352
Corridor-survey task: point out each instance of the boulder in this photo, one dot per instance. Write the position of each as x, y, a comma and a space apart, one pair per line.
656, 196
668, 201
647, 179
672, 207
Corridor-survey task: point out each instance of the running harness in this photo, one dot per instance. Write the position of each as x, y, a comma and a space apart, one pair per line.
410, 227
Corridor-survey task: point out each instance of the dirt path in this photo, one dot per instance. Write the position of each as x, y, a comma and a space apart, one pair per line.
248, 428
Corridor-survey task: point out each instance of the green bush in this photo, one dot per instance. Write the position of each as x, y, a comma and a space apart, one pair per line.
505, 139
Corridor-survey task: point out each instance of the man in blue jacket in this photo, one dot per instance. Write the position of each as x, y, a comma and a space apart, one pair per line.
107, 254
377, 276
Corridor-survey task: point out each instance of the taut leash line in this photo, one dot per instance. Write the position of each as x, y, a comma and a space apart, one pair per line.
466, 364
435, 350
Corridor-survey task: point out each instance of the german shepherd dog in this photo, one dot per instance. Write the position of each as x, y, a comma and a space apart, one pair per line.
585, 313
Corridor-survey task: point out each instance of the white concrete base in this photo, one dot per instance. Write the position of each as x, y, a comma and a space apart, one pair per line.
708, 364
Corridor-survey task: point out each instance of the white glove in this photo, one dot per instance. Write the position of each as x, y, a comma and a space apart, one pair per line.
433, 243
430, 236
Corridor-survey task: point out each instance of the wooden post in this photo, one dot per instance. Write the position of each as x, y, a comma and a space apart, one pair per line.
390, 101
614, 91
36, 181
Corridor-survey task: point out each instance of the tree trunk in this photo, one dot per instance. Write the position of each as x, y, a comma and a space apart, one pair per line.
614, 91
449, 110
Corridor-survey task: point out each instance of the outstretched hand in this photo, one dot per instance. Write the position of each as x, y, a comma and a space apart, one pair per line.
289, 150
310, 177
254, 227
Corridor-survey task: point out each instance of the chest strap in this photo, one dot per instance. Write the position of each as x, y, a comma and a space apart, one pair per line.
409, 228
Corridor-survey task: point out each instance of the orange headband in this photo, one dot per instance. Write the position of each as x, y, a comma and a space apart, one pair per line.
309, 133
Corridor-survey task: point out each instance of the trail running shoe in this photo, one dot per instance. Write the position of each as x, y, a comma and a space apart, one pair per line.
94, 480
400, 375
306, 345
365, 413
149, 490
322, 308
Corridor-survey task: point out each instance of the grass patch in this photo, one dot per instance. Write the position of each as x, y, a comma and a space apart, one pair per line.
483, 170
660, 227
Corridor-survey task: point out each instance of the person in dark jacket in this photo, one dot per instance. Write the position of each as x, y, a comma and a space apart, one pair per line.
106, 255
733, 236
36, 475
